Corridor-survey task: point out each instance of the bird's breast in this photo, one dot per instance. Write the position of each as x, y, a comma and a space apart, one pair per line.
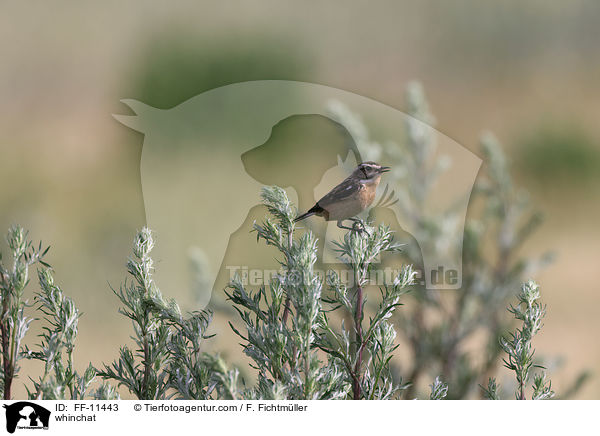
366, 197
367, 193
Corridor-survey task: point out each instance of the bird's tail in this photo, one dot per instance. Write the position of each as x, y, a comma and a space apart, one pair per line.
305, 215
312, 211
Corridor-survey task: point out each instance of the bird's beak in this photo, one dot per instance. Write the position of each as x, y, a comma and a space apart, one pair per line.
384, 169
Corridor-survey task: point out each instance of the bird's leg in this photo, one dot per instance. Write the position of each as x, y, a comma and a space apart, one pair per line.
359, 226
342, 226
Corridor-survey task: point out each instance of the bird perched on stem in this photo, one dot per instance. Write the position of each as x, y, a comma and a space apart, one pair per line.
349, 198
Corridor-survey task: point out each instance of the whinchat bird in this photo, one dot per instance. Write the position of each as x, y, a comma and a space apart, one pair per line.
355, 194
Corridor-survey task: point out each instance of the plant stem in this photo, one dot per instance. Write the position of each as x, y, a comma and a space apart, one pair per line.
359, 341
286, 311
145, 389
290, 242
307, 368
521, 389
6, 360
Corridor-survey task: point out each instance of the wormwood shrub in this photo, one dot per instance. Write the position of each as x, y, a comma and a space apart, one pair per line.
308, 336
59, 380
13, 322
289, 317
297, 348
167, 361
517, 345
437, 325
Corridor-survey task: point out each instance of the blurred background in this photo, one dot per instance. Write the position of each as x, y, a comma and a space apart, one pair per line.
528, 71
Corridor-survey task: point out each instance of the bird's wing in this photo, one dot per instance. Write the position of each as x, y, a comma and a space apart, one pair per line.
341, 192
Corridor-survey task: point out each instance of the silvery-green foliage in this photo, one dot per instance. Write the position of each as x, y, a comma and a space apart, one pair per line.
168, 361
439, 389
365, 351
190, 374
284, 353
517, 345
491, 392
225, 382
142, 371
285, 327
542, 390
13, 281
437, 324
287, 321
59, 379
105, 392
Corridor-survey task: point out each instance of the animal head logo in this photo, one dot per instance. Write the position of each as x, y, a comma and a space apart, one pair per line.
204, 162
24, 414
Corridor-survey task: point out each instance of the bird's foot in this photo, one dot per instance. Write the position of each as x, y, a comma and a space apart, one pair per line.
358, 225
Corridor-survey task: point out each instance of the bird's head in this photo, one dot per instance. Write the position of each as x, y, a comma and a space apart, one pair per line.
369, 171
